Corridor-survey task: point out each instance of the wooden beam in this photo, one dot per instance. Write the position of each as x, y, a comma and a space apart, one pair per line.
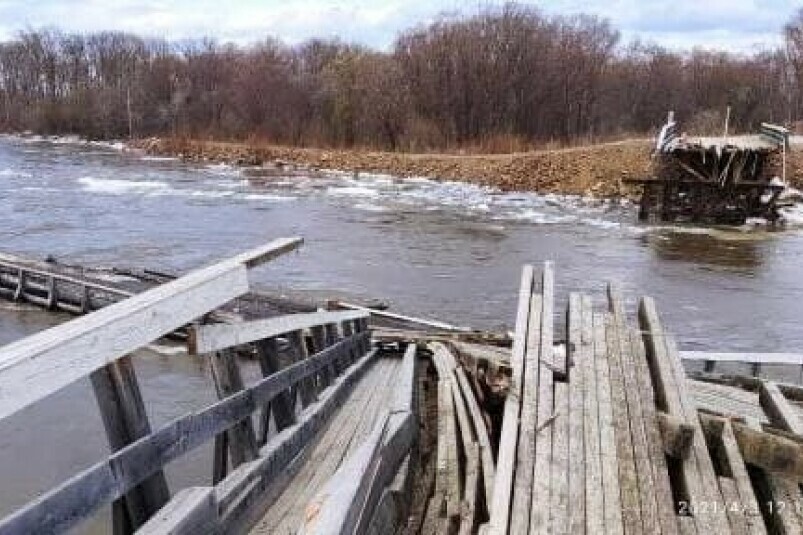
754, 357
609, 457
215, 337
390, 315
778, 408
125, 420
541, 501
506, 459
525, 453
228, 380
39, 365
582, 352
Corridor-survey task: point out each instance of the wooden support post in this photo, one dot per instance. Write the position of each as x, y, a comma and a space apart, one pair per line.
281, 407
319, 343
52, 294
125, 420
299, 348
18, 293
241, 436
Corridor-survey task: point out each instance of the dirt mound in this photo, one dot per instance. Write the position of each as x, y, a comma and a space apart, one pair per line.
593, 170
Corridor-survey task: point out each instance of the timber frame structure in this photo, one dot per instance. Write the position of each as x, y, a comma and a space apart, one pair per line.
720, 180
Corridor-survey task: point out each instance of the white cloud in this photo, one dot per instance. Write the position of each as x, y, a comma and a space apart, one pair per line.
732, 24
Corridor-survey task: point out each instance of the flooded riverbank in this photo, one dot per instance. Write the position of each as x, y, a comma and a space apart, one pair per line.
440, 249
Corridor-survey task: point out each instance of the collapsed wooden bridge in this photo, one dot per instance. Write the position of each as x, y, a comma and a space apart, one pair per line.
370, 422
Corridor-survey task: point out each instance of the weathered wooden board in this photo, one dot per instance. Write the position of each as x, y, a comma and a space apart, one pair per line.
506, 459
541, 499
39, 365
608, 453
525, 453
216, 337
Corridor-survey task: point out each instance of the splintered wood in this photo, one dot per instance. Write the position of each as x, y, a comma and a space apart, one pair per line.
612, 438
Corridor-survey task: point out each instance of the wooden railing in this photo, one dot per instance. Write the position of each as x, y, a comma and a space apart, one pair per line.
308, 362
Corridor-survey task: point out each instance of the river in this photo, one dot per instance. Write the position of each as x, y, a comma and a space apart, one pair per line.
445, 250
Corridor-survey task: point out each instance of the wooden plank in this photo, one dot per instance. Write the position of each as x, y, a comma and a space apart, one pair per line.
215, 337
125, 420
576, 360
636, 414
746, 506
469, 505
448, 474
525, 453
778, 408
336, 508
733, 506
759, 358
484, 441
506, 458
608, 453
191, 511
65, 506
39, 365
541, 500
628, 470
594, 509
672, 393
559, 473
419, 321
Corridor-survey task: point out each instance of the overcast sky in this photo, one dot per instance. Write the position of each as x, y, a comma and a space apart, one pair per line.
738, 25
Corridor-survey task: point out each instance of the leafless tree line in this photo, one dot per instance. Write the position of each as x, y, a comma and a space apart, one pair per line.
509, 76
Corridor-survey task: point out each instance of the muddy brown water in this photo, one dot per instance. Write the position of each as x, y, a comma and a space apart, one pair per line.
443, 250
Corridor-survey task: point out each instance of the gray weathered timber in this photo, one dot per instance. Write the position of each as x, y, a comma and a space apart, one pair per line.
63, 507
191, 511
673, 395
755, 357
541, 499
228, 380
281, 407
125, 420
407, 319
575, 362
778, 408
39, 365
640, 414
525, 453
609, 458
628, 472
583, 354
742, 494
506, 459
336, 508
215, 337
